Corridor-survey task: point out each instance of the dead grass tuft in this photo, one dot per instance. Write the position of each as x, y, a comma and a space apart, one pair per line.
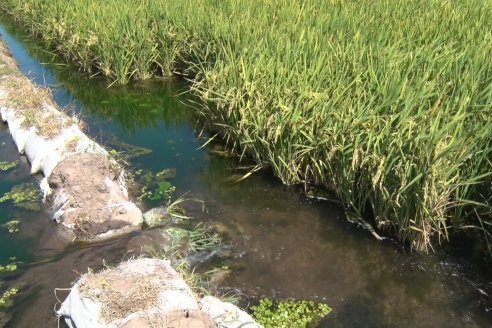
5, 57
120, 297
33, 101
82, 227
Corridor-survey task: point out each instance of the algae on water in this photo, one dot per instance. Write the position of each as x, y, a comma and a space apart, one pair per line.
128, 152
11, 267
26, 196
5, 166
166, 174
12, 226
6, 298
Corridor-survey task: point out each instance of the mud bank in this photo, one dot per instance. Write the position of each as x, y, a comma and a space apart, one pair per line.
83, 187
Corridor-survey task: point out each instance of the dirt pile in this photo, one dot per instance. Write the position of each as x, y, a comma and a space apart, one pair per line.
88, 198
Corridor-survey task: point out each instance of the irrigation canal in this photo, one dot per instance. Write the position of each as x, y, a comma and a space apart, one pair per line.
280, 244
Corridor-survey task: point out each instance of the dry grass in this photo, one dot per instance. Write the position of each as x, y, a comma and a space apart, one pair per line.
5, 57
35, 103
120, 297
71, 144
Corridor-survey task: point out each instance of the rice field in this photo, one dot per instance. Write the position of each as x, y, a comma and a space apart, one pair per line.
386, 103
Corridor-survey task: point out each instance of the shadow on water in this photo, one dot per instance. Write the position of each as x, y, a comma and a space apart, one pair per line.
282, 245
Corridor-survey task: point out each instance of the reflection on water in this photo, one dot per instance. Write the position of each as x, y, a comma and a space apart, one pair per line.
282, 245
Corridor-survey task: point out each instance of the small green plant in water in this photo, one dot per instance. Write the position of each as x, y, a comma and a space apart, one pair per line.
166, 174
11, 267
289, 313
5, 166
6, 298
25, 195
164, 190
199, 238
128, 152
12, 226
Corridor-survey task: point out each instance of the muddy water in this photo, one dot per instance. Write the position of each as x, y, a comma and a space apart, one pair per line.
281, 245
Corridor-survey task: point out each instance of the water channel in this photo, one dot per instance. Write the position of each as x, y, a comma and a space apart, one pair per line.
281, 244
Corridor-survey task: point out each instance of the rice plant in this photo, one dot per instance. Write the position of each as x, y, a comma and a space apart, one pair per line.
386, 103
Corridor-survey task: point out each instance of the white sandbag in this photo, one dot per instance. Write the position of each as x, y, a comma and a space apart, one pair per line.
45, 187
83, 308
227, 315
19, 133
36, 149
20, 137
80, 312
3, 111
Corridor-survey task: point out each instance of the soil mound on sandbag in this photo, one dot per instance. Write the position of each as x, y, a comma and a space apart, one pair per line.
89, 199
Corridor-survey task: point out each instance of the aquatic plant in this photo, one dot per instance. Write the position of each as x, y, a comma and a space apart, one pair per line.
164, 190
12, 226
385, 103
5, 166
166, 174
6, 298
289, 313
198, 238
127, 152
11, 267
26, 195
155, 185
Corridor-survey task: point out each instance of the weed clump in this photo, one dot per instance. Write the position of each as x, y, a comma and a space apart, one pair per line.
11, 267
289, 313
26, 195
6, 298
12, 226
5, 166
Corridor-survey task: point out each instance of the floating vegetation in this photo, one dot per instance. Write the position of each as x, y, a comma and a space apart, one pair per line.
127, 152
147, 178
11, 267
164, 190
289, 313
12, 226
6, 298
26, 196
155, 185
5, 166
166, 174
